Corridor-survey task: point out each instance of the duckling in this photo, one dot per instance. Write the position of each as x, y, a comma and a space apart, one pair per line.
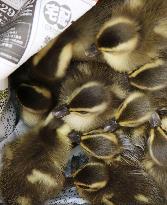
103, 146
33, 165
119, 183
77, 41
135, 110
134, 35
127, 145
91, 94
36, 101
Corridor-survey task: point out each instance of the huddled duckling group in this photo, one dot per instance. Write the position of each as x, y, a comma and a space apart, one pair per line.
103, 83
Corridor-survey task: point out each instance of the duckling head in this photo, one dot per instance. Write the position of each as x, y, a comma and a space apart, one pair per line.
117, 40
131, 38
91, 95
91, 177
36, 101
85, 105
101, 145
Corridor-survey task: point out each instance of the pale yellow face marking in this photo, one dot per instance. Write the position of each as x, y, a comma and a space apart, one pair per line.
156, 63
161, 131
38, 57
31, 118
129, 99
118, 91
132, 123
142, 198
33, 111
96, 109
164, 123
93, 164
80, 122
48, 119
21, 200
41, 90
83, 122
64, 130
107, 199
135, 4
147, 88
108, 157
92, 187
119, 57
46, 93
93, 132
160, 28
148, 66
137, 122
115, 21
122, 48
39, 177
123, 57
151, 140
108, 136
63, 61
119, 62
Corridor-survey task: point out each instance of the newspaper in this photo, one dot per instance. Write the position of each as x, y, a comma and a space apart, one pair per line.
28, 25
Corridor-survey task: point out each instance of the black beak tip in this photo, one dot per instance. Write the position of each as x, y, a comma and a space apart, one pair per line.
60, 111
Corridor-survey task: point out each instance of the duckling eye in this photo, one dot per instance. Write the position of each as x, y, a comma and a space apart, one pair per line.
83, 112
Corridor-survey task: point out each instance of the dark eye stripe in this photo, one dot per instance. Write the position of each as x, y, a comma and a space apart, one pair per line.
116, 34
83, 112
88, 97
29, 97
